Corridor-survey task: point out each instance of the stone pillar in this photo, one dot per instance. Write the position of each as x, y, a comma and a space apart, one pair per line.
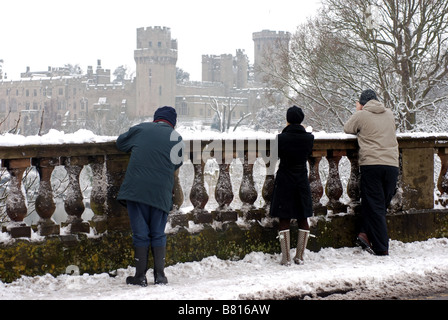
15, 203
442, 183
198, 193
117, 214
44, 203
74, 200
98, 194
418, 178
353, 186
317, 190
334, 186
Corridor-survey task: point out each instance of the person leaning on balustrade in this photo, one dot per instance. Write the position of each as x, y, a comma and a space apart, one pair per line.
374, 124
147, 189
291, 198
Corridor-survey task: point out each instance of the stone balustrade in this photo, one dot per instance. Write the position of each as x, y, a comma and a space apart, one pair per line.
420, 185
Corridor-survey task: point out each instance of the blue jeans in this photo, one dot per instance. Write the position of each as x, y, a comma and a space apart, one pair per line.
147, 224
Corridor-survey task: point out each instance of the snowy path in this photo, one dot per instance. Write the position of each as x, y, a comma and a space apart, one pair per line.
410, 269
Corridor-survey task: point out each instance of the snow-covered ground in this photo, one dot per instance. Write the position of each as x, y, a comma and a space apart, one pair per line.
411, 270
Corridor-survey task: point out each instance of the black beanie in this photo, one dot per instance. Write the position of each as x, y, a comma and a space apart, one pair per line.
166, 114
295, 115
366, 96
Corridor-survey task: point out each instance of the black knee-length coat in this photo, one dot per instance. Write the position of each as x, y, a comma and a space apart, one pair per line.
291, 197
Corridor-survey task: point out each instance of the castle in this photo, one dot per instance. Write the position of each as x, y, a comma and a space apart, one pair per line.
59, 99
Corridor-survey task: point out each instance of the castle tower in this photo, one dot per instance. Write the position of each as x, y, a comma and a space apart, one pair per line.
242, 63
155, 58
266, 42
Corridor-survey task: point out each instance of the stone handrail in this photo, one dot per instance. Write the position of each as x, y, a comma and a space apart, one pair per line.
416, 182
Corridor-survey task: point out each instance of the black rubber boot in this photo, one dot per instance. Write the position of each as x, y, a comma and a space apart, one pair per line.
158, 254
141, 266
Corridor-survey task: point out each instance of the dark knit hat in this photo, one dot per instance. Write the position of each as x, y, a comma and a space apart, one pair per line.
166, 114
366, 96
295, 115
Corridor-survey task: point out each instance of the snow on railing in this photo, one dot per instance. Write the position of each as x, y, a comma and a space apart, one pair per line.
222, 179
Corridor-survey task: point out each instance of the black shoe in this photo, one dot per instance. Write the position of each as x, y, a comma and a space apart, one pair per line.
140, 281
159, 265
141, 266
363, 242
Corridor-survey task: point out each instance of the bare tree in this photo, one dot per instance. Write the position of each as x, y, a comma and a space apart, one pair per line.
223, 114
397, 47
120, 74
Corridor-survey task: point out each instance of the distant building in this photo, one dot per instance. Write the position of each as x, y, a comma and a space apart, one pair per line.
62, 99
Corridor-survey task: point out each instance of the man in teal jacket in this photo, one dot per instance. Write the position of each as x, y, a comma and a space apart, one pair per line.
156, 153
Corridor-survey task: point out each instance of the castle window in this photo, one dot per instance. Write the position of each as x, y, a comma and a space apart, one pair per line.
61, 91
2, 106
183, 108
160, 90
150, 44
159, 44
13, 105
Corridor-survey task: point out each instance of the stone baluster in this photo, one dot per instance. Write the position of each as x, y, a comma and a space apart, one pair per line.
317, 189
44, 203
268, 185
73, 202
178, 195
333, 188
353, 185
176, 217
198, 193
223, 191
98, 194
116, 213
248, 193
268, 151
15, 203
442, 183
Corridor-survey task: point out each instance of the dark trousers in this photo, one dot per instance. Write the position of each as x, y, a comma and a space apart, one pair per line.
378, 186
147, 224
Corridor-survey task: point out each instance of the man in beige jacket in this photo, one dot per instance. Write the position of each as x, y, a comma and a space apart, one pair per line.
374, 125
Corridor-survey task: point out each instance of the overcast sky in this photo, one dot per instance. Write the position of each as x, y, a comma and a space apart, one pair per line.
43, 33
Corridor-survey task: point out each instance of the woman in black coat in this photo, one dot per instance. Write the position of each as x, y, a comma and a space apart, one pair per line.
291, 198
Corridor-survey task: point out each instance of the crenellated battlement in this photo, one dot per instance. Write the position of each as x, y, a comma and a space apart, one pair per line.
270, 34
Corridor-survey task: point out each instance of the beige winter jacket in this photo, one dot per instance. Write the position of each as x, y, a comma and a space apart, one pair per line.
375, 127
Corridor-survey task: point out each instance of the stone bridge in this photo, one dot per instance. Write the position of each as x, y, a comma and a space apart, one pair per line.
229, 223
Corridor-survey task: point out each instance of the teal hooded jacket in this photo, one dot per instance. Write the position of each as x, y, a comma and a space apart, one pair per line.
156, 153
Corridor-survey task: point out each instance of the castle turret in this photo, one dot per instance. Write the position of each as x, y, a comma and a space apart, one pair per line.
267, 42
155, 58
